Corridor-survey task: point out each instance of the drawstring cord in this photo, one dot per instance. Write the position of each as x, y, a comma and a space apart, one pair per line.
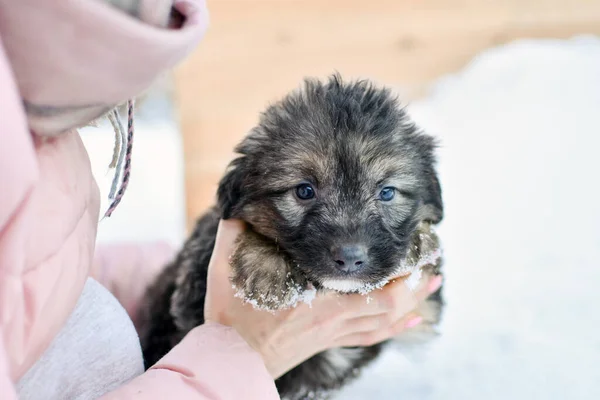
121, 160
119, 151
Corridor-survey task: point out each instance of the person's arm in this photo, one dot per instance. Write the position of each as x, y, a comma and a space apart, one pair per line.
211, 362
6, 386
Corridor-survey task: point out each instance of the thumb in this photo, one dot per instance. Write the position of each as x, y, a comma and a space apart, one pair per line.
227, 233
219, 291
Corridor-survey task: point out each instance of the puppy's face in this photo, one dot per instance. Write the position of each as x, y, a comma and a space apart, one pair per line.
338, 177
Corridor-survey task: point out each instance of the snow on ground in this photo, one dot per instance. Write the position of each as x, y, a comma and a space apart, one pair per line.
519, 164
520, 135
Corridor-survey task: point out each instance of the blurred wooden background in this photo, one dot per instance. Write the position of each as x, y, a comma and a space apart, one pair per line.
257, 50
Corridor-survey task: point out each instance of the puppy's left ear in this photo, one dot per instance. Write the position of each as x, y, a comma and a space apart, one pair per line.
230, 192
432, 209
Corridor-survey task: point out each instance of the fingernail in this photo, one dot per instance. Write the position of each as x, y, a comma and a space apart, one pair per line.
411, 323
434, 284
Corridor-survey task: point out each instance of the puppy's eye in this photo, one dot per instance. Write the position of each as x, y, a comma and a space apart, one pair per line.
387, 194
305, 191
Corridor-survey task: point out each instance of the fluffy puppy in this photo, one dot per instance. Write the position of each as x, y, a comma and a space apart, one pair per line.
340, 192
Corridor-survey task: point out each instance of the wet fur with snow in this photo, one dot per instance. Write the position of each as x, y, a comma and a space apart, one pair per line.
348, 141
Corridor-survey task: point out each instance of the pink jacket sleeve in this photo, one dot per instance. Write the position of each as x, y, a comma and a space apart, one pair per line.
61, 64
212, 362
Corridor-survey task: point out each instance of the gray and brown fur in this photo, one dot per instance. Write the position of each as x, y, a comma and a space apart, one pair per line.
348, 141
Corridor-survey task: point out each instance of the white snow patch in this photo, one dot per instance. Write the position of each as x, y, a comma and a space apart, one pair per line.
295, 294
414, 271
343, 285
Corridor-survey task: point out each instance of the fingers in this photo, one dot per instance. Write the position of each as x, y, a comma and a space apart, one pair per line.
396, 308
396, 298
427, 287
218, 267
378, 329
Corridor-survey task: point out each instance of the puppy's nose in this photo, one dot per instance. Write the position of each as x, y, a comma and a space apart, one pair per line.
349, 258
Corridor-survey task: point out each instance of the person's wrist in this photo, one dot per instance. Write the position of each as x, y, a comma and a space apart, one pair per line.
261, 348
219, 317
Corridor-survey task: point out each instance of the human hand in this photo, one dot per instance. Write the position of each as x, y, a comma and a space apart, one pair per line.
288, 337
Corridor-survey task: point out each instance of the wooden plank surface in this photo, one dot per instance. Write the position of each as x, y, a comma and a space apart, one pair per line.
255, 51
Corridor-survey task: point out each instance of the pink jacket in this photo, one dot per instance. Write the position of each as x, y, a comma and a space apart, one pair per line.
63, 63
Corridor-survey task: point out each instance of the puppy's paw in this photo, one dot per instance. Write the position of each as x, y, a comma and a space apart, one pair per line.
424, 251
425, 254
264, 276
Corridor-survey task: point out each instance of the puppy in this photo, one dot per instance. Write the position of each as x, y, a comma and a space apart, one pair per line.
340, 192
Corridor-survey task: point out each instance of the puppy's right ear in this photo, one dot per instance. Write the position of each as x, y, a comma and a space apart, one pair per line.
230, 193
